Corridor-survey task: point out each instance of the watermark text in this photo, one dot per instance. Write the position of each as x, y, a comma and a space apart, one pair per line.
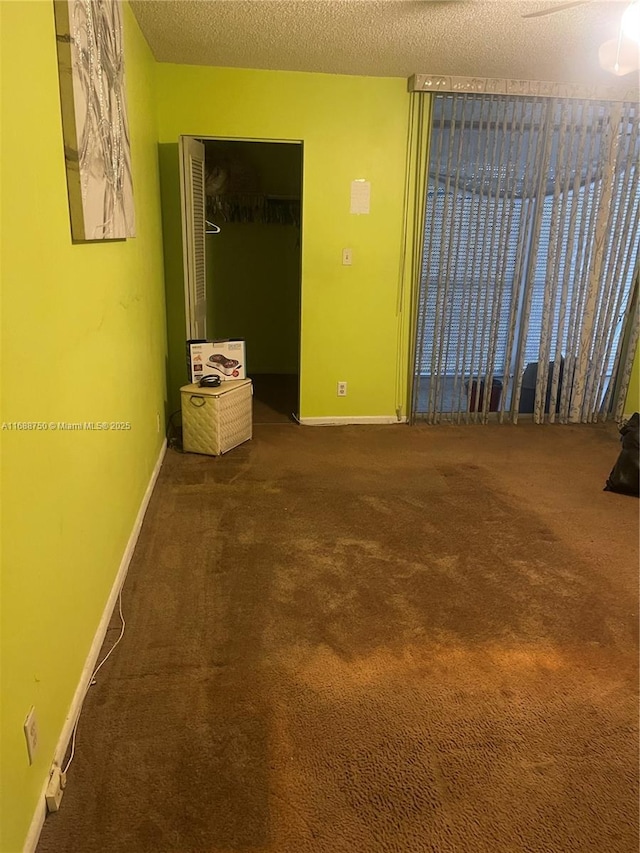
66, 426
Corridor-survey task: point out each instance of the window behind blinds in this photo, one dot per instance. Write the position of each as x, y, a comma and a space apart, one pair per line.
530, 243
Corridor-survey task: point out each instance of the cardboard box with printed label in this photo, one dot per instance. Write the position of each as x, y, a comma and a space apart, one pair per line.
225, 359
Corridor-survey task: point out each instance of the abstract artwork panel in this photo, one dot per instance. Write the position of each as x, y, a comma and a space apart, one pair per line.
94, 119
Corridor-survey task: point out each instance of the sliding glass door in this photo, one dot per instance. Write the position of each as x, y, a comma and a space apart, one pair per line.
530, 247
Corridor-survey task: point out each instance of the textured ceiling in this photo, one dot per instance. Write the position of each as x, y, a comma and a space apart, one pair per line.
390, 38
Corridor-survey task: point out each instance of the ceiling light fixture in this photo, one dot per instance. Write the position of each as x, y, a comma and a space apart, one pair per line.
621, 55
631, 21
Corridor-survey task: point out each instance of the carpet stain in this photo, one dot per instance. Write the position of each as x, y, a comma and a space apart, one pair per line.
371, 640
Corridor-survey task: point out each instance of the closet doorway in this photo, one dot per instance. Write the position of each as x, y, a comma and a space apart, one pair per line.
242, 236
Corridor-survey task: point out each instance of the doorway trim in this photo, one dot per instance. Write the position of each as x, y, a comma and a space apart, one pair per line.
189, 318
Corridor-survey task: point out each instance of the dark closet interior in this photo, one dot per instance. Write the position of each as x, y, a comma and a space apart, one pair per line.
253, 195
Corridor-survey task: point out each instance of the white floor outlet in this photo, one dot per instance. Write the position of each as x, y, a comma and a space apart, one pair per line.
55, 788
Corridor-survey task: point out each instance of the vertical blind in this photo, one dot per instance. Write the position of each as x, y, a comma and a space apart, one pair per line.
530, 246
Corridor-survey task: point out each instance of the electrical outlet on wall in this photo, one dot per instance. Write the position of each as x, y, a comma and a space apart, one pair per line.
158, 421
342, 389
55, 788
31, 733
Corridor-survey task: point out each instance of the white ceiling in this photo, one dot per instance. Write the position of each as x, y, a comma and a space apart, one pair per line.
387, 38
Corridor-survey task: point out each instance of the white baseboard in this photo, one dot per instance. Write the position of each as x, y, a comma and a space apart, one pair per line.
347, 420
75, 708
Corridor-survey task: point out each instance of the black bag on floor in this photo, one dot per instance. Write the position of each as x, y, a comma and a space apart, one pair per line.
625, 474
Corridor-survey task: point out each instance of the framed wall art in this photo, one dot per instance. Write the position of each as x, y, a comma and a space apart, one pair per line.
97, 147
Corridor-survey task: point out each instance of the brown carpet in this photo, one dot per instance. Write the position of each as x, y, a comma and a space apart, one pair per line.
275, 398
372, 640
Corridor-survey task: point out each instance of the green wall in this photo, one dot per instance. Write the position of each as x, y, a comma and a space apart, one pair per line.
83, 339
352, 127
633, 394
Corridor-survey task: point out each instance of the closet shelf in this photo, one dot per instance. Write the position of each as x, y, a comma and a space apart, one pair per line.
254, 207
